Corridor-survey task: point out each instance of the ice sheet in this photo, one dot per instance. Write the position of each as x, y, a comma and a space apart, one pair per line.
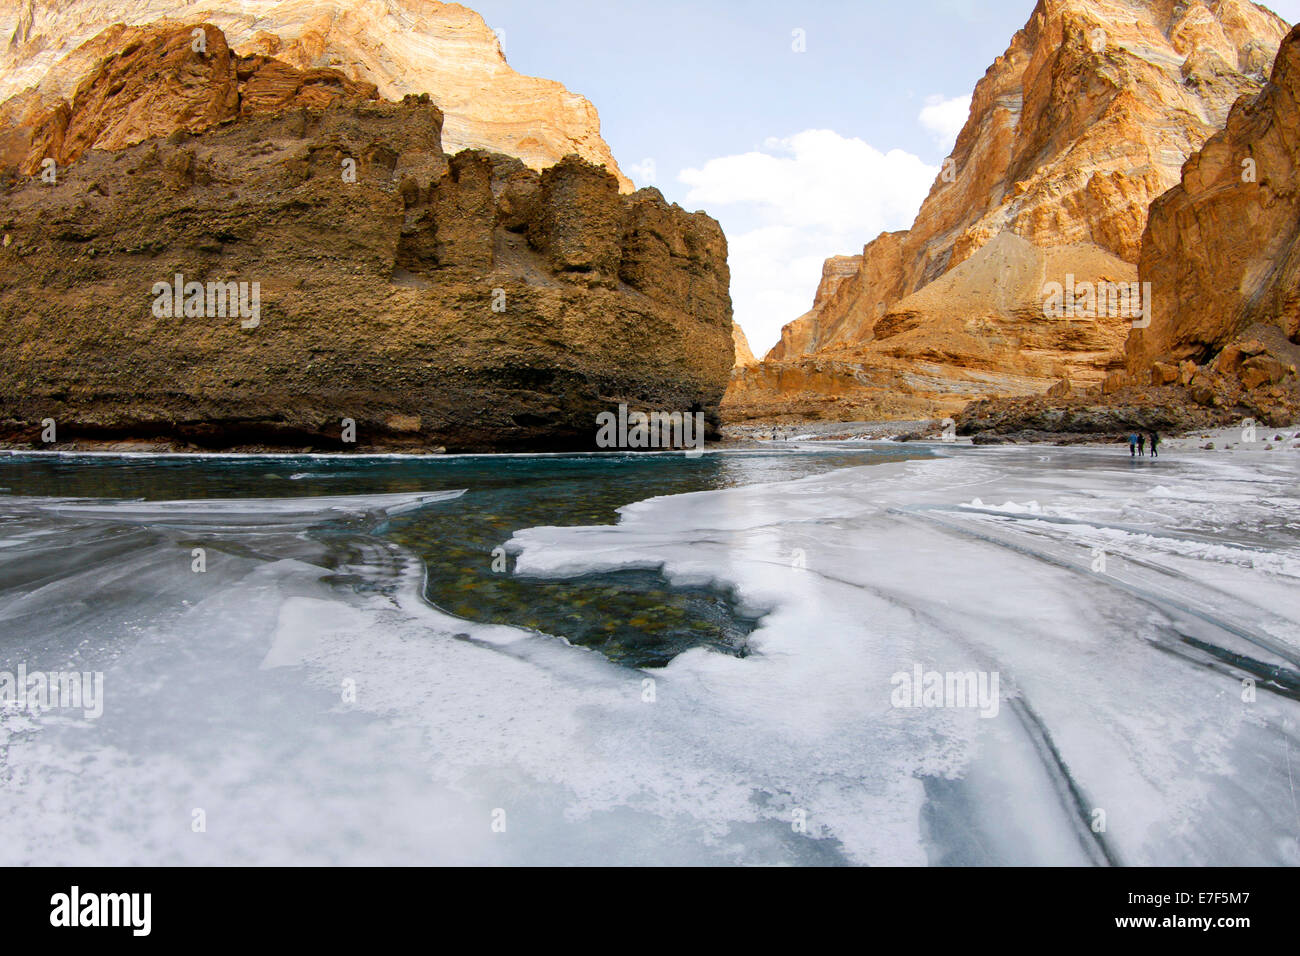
314, 721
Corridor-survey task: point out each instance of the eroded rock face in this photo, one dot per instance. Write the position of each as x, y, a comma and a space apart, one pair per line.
1222, 253
979, 330
744, 356
1087, 417
163, 80
823, 321
400, 46
1085, 119
466, 301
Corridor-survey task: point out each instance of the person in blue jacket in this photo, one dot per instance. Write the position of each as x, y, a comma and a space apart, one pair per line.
1132, 444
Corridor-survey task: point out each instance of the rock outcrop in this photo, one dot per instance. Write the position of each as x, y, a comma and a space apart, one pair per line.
1086, 418
1085, 119
399, 46
977, 331
744, 356
825, 321
420, 299
1222, 252
158, 84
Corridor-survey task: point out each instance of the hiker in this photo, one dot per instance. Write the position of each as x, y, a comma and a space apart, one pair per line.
1132, 444
1142, 444
1155, 442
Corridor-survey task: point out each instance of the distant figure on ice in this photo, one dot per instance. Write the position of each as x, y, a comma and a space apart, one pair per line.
1155, 443
1132, 444
1142, 444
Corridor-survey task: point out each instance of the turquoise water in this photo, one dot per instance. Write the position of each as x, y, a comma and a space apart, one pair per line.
633, 617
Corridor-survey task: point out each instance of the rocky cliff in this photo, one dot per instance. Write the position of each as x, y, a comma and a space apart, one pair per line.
1073, 131
744, 356
415, 298
155, 83
400, 46
1222, 252
843, 280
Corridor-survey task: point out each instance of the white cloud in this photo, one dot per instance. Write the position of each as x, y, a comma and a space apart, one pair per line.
945, 118
642, 173
798, 201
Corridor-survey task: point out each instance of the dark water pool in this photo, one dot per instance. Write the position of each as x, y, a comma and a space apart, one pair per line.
633, 617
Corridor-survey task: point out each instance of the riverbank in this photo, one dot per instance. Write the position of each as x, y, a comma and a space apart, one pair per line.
1241, 436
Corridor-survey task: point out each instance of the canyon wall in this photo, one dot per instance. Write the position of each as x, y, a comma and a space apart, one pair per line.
462, 301
400, 46
744, 356
1222, 253
1084, 120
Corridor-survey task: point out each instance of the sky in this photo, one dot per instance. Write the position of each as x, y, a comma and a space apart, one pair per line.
806, 130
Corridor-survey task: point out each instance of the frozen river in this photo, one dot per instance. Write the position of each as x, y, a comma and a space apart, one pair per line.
824, 655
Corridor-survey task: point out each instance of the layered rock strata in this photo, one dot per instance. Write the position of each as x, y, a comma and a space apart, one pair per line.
399, 46
1087, 117
1222, 252
393, 294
